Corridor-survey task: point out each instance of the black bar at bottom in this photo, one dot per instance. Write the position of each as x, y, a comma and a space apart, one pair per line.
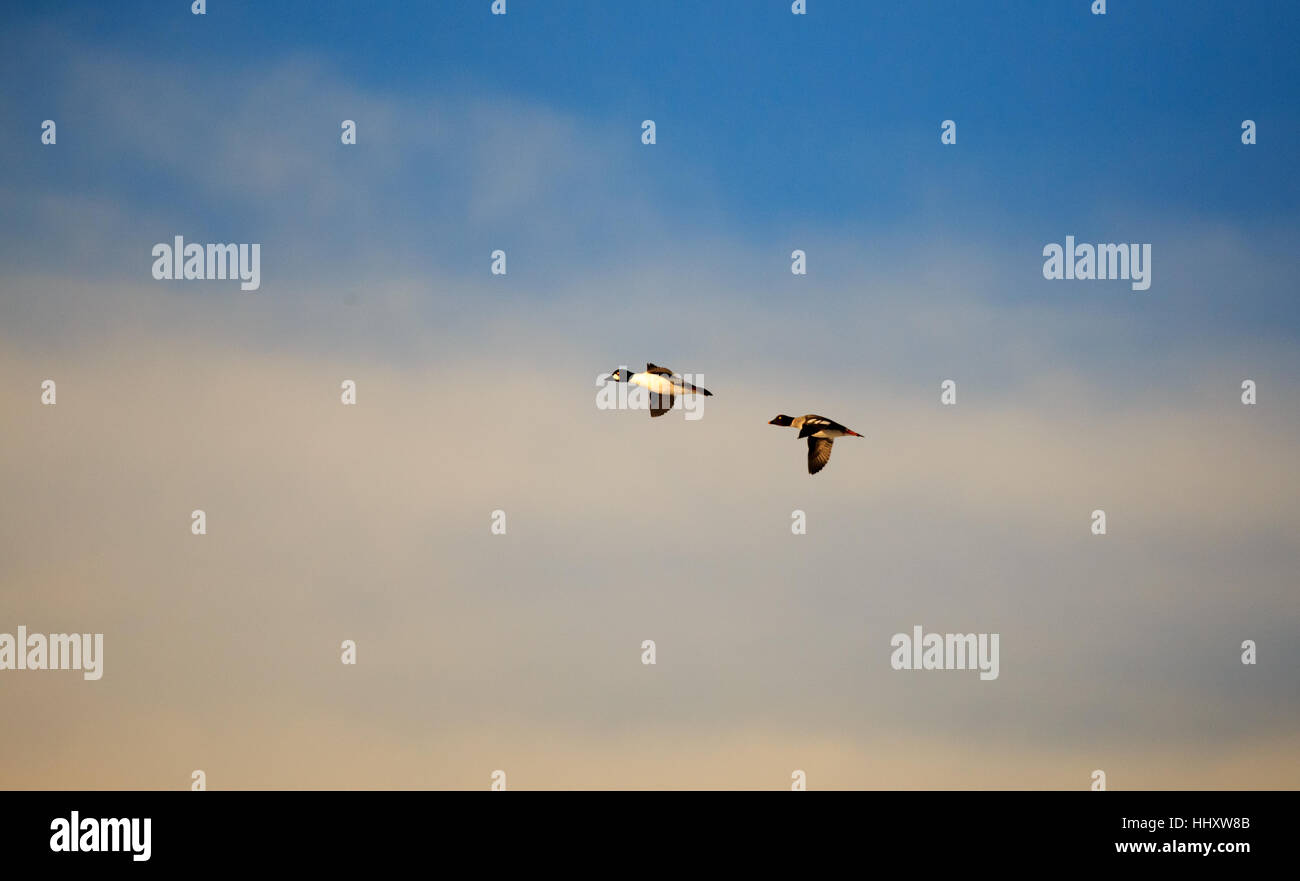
335, 830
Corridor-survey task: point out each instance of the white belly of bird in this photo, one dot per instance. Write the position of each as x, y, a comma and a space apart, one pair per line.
828, 432
657, 383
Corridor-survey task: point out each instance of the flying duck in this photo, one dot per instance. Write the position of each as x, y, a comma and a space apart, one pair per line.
821, 433
662, 384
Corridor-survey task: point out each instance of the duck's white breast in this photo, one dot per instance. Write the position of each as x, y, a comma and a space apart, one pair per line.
655, 382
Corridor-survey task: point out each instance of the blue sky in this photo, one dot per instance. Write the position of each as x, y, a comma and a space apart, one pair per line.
825, 119
774, 131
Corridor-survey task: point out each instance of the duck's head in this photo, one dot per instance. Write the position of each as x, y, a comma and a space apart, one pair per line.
621, 375
782, 420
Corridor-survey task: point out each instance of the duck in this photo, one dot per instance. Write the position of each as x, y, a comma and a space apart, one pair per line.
821, 433
662, 384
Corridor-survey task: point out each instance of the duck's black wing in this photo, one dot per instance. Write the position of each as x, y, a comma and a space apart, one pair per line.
677, 380
819, 453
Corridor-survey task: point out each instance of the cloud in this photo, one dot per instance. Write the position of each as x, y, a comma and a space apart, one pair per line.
328, 522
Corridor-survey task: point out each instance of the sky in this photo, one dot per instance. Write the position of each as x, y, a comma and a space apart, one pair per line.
477, 392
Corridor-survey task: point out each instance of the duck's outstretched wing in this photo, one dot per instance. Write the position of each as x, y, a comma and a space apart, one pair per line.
683, 386
819, 453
